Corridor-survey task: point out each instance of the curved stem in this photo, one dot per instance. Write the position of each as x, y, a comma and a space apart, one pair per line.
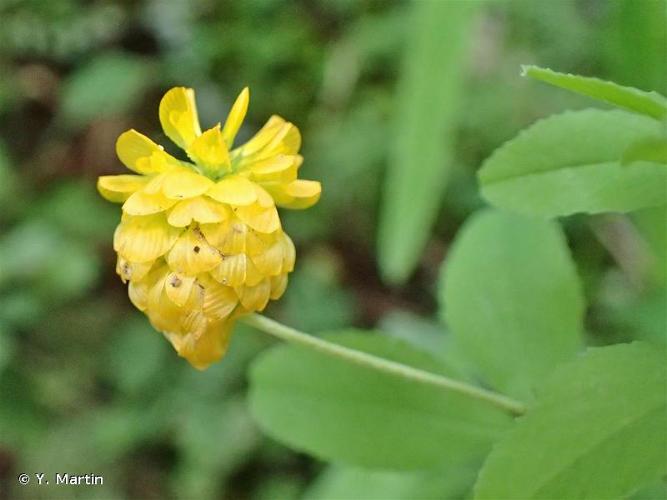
383, 365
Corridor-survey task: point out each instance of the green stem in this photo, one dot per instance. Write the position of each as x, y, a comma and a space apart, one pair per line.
383, 365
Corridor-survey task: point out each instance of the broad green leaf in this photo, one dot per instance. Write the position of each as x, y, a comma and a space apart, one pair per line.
342, 412
420, 155
512, 298
647, 103
596, 431
654, 491
652, 149
430, 336
338, 482
569, 163
107, 86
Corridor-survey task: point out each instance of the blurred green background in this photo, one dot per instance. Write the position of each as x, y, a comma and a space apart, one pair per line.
86, 386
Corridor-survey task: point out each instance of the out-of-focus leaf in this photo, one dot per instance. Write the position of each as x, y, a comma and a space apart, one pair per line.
7, 346
633, 42
206, 463
136, 354
21, 307
338, 482
8, 182
315, 300
70, 446
652, 223
569, 163
353, 414
21, 421
653, 491
654, 149
76, 208
643, 318
26, 249
596, 431
108, 85
421, 145
55, 265
284, 486
512, 298
647, 103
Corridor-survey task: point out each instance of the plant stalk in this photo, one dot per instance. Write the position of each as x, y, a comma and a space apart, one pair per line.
405, 372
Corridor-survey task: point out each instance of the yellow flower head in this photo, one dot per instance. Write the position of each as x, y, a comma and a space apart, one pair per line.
200, 241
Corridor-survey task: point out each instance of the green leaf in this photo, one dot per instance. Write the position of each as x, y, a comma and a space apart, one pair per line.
512, 298
633, 43
652, 149
430, 336
597, 431
652, 224
337, 482
421, 153
348, 413
109, 85
569, 163
647, 103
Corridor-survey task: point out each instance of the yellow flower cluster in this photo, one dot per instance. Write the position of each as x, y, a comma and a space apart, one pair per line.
200, 241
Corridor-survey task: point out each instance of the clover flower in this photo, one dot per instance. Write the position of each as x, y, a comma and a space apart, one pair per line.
200, 241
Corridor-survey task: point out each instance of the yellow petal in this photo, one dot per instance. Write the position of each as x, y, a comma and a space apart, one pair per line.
191, 254
144, 238
207, 346
303, 189
264, 220
184, 183
138, 293
280, 168
142, 155
235, 117
297, 194
289, 254
155, 183
178, 116
163, 313
199, 209
256, 242
235, 190
219, 300
291, 141
270, 261
264, 199
229, 237
255, 298
194, 323
132, 271
118, 188
183, 290
286, 141
261, 138
142, 203
252, 274
232, 270
210, 150
278, 286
